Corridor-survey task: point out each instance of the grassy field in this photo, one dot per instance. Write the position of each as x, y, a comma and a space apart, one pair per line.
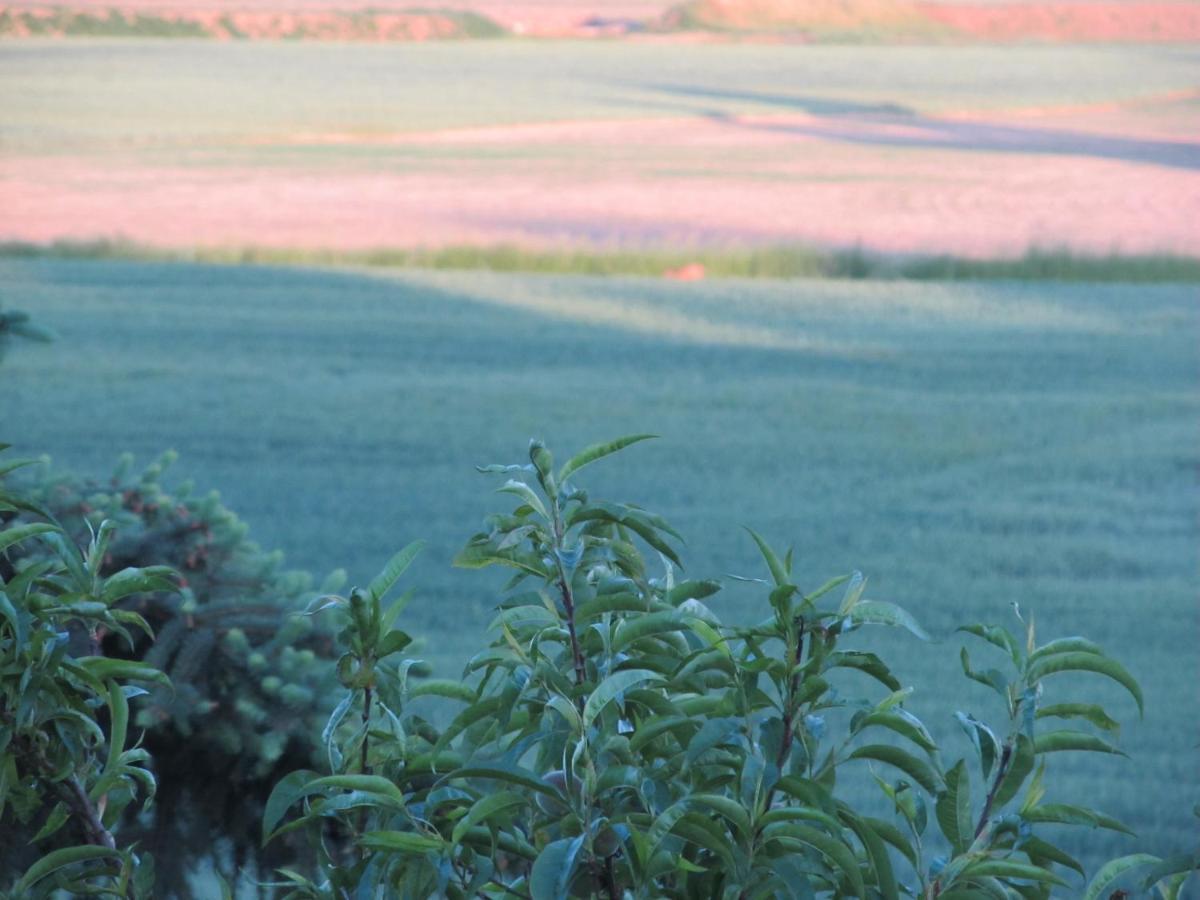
965, 445
156, 97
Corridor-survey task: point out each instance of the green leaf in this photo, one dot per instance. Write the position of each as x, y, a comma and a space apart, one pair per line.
60, 859
920, 771
396, 566
104, 668
853, 593
1023, 758
1067, 814
954, 808
1180, 864
778, 571
287, 791
1040, 851
443, 687
1003, 868
1086, 662
632, 630
1056, 741
1087, 711
998, 636
615, 684
867, 663
733, 811
118, 707
595, 452
510, 774
151, 579
405, 842
526, 493
879, 612
483, 810
836, 851
1113, 870
1065, 645
20, 626
550, 877
478, 556
985, 740
877, 852
12, 536
662, 827
902, 723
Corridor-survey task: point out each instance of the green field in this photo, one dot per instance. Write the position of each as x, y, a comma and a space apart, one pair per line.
965, 445
195, 102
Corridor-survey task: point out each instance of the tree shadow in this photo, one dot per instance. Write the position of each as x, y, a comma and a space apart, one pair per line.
894, 125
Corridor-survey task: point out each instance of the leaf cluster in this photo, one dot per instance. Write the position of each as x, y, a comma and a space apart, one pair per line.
617, 739
68, 768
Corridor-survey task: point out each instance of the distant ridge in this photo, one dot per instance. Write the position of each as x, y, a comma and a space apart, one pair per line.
817, 21
258, 24
1063, 21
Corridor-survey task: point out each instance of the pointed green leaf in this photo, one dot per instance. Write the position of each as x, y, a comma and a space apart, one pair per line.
610, 687
483, 809
1019, 767
1086, 662
1087, 711
778, 571
920, 771
395, 567
1112, 871
405, 842
1067, 814
879, 612
60, 859
954, 808
550, 877
595, 452
12, 536
1056, 741
1003, 868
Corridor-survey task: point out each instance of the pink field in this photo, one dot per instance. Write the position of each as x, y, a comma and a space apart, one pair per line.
1097, 179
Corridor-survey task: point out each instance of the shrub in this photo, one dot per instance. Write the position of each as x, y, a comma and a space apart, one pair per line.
250, 681
67, 771
617, 739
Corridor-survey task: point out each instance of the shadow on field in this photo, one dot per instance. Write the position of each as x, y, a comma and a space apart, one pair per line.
893, 125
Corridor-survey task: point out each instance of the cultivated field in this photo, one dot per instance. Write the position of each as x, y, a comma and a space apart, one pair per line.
973, 151
965, 446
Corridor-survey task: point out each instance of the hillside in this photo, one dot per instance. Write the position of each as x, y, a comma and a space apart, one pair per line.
1063, 21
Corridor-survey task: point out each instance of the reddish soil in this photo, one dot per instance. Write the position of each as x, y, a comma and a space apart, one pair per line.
1070, 21
1096, 179
1066, 21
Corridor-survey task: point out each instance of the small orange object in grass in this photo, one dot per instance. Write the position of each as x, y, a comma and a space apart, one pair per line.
690, 272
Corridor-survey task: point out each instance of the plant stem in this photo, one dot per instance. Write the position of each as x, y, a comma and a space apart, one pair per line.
366, 720
610, 879
1001, 771
77, 799
568, 605
789, 713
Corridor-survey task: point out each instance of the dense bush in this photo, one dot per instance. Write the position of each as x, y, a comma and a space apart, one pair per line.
617, 739
64, 711
250, 681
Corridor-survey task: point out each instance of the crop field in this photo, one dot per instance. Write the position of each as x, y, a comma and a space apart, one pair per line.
965, 446
982, 152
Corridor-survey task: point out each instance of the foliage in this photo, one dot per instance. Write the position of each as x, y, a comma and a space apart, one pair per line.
17, 324
68, 766
618, 739
250, 682
771, 262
